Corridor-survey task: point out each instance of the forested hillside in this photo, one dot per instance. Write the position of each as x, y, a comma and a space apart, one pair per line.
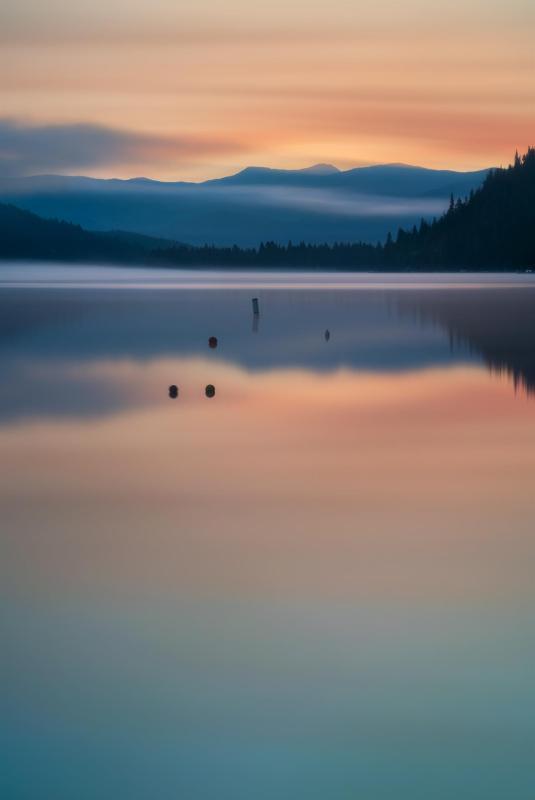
493, 228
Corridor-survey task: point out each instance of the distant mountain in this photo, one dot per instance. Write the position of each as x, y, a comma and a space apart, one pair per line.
317, 204
314, 176
494, 228
321, 169
385, 180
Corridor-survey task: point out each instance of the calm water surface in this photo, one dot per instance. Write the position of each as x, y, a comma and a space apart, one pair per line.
318, 583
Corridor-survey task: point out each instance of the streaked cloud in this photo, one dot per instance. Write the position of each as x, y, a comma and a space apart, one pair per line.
294, 83
28, 149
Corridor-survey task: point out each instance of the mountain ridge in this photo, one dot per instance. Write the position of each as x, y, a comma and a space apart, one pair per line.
319, 168
494, 228
317, 204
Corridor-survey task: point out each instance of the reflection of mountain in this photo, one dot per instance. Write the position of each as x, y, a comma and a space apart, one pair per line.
52, 341
497, 325
89, 324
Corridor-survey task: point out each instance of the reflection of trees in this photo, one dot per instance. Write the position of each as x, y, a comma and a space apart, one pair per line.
496, 324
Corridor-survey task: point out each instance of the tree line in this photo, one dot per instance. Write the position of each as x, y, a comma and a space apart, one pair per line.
493, 228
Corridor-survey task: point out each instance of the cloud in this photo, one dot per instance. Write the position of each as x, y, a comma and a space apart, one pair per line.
30, 149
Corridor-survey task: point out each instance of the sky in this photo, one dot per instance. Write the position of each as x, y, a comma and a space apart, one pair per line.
177, 90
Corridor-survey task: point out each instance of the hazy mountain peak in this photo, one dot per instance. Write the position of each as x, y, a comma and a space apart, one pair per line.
315, 169
321, 169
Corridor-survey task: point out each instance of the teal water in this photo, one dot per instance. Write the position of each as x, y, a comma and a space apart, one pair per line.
316, 584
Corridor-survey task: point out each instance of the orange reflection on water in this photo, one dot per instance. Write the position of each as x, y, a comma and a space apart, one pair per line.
411, 485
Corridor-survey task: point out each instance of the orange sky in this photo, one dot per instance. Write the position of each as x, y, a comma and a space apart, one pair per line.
214, 86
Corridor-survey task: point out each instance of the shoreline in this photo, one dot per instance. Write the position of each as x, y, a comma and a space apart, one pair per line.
45, 274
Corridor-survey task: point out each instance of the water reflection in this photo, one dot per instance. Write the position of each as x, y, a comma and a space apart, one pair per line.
497, 325
319, 585
52, 341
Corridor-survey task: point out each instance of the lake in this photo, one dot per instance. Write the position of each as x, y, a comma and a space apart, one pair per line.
313, 580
